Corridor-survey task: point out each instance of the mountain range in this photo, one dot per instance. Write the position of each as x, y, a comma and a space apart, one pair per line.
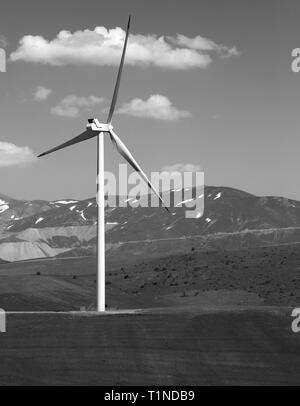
232, 219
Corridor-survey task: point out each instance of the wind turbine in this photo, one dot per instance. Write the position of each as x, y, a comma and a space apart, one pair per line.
96, 129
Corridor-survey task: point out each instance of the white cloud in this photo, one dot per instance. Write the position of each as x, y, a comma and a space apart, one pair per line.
157, 107
12, 155
71, 105
3, 42
103, 47
204, 44
180, 168
42, 93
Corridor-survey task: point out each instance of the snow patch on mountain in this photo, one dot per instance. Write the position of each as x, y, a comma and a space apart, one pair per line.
184, 202
65, 201
82, 215
3, 206
39, 220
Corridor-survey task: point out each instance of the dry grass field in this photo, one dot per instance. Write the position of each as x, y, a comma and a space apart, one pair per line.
204, 318
178, 346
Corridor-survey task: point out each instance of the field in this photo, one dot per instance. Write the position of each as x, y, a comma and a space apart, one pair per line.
176, 347
203, 318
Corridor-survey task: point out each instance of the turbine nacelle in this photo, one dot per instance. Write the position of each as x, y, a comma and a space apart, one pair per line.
94, 125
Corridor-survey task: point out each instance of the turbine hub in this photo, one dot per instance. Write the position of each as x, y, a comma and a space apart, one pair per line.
95, 125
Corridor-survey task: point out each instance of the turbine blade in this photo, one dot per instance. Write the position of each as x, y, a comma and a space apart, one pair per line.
117, 85
82, 137
123, 150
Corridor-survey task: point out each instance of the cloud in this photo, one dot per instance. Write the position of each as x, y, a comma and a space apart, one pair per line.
3, 42
205, 45
157, 107
42, 93
12, 155
103, 47
71, 105
180, 168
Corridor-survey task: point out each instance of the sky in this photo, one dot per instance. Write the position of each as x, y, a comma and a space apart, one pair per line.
206, 83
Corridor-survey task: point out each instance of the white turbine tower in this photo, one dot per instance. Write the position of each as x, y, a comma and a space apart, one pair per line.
96, 129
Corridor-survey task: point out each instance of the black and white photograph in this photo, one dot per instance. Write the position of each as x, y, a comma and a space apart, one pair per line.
149, 196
